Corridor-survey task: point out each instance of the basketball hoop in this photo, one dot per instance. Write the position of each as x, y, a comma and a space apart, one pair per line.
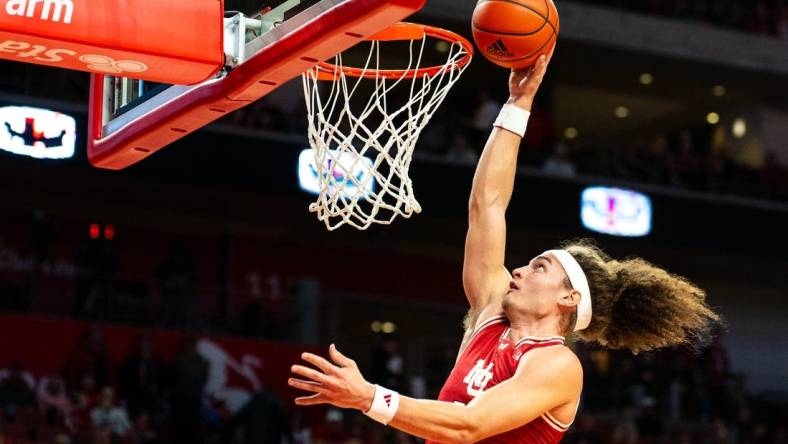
362, 158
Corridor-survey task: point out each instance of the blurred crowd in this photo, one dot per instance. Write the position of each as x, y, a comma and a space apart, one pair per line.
671, 396
145, 400
674, 396
665, 397
766, 17
701, 159
704, 158
90, 402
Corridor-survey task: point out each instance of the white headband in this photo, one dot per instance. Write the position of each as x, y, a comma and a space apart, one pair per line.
579, 282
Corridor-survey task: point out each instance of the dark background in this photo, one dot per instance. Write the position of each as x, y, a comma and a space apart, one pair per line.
212, 239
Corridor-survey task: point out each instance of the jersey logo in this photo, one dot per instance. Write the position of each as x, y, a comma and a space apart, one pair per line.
478, 378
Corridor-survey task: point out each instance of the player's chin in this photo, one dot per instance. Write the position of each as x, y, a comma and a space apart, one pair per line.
507, 299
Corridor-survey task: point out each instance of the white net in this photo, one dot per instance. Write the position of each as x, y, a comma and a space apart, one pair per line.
363, 132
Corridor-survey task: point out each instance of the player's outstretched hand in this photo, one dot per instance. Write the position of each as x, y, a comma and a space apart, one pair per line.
339, 383
524, 84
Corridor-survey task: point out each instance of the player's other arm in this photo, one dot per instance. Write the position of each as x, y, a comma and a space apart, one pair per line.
546, 379
485, 278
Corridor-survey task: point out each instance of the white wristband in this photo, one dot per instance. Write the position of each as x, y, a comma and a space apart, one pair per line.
513, 118
384, 405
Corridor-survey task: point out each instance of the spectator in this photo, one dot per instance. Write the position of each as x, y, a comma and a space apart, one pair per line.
302, 433
332, 431
178, 279
459, 151
487, 110
652, 162
388, 363
97, 262
782, 17
361, 431
434, 136
189, 375
258, 317
104, 436
52, 400
718, 163
540, 138
43, 234
685, 164
16, 392
142, 431
763, 17
109, 416
587, 429
774, 176
263, 420
89, 358
720, 433
140, 380
60, 438
476, 123
558, 164
781, 435
716, 373
84, 399
626, 431
13, 368
748, 158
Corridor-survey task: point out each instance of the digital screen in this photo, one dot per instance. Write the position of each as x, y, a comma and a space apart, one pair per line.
344, 173
37, 132
616, 211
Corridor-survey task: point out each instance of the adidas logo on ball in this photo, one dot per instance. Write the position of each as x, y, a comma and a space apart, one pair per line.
498, 49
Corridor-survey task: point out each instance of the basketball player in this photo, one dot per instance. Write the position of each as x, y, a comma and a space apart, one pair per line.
515, 381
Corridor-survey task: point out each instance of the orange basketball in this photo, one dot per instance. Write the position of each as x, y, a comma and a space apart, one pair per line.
514, 33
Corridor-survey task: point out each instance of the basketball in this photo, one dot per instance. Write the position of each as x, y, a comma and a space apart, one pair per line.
514, 33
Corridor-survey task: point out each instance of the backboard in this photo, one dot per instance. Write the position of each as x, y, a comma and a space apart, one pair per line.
132, 118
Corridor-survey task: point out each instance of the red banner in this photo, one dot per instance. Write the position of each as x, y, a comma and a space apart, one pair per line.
158, 40
237, 367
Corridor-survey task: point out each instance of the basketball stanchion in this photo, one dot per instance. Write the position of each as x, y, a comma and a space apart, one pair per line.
364, 123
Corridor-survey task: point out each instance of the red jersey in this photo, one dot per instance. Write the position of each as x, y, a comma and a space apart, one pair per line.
489, 359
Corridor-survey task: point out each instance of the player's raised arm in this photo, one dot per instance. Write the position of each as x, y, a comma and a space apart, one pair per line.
485, 278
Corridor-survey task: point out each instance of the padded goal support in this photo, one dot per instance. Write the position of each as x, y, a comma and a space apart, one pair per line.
165, 41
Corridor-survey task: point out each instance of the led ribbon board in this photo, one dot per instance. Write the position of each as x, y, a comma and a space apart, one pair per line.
36, 132
616, 212
175, 42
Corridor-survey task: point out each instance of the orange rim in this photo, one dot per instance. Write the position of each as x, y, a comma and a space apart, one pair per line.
399, 32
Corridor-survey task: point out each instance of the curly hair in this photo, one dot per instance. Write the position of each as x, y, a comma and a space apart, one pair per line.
639, 306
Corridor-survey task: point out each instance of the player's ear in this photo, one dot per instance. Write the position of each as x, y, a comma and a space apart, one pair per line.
570, 298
